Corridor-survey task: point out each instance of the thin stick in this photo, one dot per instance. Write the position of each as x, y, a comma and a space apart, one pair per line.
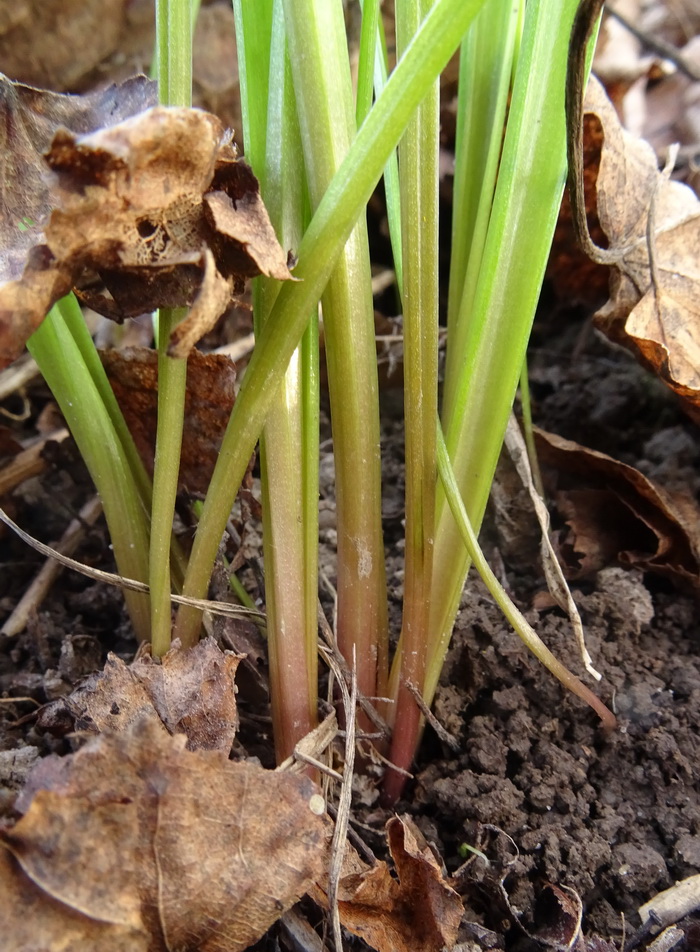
110, 578
658, 45
28, 463
332, 657
442, 733
51, 569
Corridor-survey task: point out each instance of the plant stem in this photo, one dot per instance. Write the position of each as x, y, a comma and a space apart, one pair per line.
321, 71
528, 433
485, 70
419, 176
289, 443
174, 44
526, 203
323, 241
71, 382
367, 58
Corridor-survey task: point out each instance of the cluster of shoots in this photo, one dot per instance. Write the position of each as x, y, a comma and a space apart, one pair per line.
319, 135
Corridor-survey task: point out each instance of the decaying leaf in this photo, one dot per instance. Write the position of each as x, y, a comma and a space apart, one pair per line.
419, 913
616, 514
654, 308
136, 843
29, 119
160, 207
189, 692
133, 374
558, 914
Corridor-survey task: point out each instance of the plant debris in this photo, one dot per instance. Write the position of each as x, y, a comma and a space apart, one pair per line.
654, 307
615, 513
135, 843
211, 378
420, 911
158, 205
190, 692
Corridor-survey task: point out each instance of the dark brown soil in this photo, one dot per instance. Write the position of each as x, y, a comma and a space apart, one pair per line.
535, 785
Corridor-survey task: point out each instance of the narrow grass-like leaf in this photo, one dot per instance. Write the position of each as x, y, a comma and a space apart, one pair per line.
526, 203
323, 89
289, 443
419, 179
330, 228
71, 382
485, 70
174, 43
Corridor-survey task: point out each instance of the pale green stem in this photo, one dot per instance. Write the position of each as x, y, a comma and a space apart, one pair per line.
71, 383
530, 184
366, 60
321, 70
323, 241
486, 64
419, 177
528, 433
289, 443
174, 44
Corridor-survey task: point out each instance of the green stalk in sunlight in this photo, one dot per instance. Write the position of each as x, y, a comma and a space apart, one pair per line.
174, 45
485, 73
419, 177
289, 443
366, 62
333, 221
322, 85
72, 384
500, 314
372, 61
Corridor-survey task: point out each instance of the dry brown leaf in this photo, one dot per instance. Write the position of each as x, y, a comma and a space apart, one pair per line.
419, 913
557, 918
29, 118
137, 843
133, 374
189, 692
616, 513
35, 922
654, 308
143, 203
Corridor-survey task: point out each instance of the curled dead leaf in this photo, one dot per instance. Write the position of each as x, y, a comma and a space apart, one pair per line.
614, 513
29, 119
558, 914
136, 838
654, 306
418, 913
160, 207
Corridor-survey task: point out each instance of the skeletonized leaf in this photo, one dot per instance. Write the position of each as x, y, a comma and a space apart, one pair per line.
159, 206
